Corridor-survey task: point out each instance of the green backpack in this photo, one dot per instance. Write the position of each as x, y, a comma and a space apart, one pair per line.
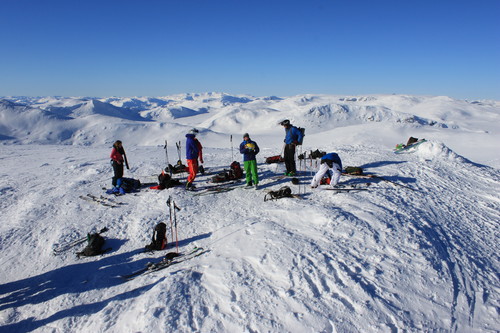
357, 171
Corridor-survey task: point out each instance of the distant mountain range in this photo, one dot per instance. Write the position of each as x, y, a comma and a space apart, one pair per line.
327, 118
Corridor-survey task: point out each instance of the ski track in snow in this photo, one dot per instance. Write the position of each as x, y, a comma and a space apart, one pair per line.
384, 260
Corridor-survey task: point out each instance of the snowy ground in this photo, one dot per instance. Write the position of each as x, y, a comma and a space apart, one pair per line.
389, 259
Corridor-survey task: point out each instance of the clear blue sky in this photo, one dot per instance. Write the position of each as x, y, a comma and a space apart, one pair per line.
274, 47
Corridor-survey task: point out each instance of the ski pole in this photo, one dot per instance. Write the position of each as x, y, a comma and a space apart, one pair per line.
282, 153
174, 207
170, 215
232, 155
166, 155
125, 158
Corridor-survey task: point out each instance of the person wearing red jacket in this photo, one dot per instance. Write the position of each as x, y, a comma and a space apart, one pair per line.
117, 163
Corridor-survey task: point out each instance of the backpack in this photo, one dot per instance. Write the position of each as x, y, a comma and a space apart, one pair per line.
159, 239
165, 181
283, 192
235, 172
130, 184
411, 141
94, 246
274, 159
357, 171
303, 131
317, 154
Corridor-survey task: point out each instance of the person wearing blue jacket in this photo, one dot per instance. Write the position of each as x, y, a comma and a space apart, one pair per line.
250, 149
293, 137
193, 153
331, 165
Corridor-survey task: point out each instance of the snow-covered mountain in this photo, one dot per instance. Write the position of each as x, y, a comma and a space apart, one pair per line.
416, 252
385, 119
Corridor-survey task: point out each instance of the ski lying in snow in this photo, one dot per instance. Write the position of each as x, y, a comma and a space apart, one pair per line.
211, 189
214, 190
409, 148
101, 200
346, 188
165, 262
61, 248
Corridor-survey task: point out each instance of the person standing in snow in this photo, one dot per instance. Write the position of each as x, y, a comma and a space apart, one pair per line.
330, 165
193, 153
292, 138
250, 149
117, 162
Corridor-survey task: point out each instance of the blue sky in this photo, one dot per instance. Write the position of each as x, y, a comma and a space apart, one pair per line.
283, 48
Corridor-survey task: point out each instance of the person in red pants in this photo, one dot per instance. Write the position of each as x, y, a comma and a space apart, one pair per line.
193, 154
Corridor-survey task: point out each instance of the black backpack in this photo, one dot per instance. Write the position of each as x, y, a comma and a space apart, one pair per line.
159, 239
130, 184
165, 181
283, 192
94, 246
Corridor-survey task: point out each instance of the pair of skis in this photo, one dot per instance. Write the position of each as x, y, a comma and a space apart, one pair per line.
213, 189
347, 188
107, 202
172, 207
169, 260
178, 146
62, 248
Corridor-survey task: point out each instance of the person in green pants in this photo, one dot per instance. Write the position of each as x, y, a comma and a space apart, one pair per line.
250, 149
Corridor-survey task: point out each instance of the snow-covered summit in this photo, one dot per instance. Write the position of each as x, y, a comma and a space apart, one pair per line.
415, 250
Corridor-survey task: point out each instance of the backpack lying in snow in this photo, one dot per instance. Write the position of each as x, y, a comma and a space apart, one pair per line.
130, 184
159, 239
274, 159
353, 171
165, 181
94, 246
284, 192
179, 168
235, 172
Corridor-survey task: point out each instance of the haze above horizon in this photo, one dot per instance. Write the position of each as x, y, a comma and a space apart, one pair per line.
260, 48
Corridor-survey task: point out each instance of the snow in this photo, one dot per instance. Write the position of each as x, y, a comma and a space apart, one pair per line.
392, 258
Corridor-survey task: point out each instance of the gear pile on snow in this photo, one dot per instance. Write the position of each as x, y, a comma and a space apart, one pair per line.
234, 172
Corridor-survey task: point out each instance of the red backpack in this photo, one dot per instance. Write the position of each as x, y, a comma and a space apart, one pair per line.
235, 172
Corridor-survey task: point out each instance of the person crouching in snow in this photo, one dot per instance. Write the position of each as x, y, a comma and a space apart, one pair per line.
331, 165
117, 164
249, 149
193, 153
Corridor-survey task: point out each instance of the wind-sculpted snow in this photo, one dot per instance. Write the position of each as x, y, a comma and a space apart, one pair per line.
423, 257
